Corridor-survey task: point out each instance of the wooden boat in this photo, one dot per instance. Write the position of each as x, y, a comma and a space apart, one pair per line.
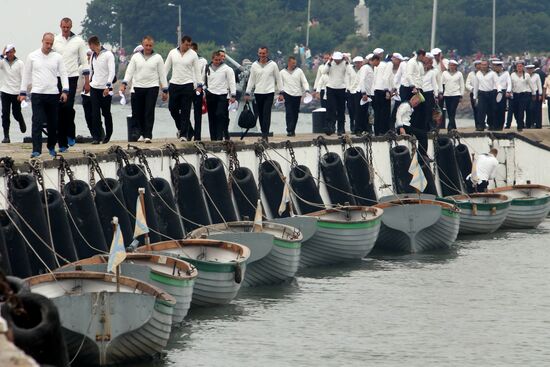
177, 277
530, 205
273, 260
221, 266
481, 212
343, 234
108, 321
413, 223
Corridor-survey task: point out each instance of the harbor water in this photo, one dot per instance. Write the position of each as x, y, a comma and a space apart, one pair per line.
484, 303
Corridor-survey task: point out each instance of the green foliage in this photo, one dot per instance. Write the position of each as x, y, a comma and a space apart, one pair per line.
397, 25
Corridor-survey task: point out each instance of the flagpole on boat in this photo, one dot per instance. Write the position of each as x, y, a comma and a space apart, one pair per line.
141, 191
117, 268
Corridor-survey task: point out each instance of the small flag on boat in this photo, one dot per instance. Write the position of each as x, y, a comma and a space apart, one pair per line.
141, 222
418, 180
117, 253
474, 178
285, 199
258, 218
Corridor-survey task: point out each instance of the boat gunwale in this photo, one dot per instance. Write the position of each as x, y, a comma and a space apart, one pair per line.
142, 286
204, 230
242, 251
376, 211
189, 271
408, 201
463, 201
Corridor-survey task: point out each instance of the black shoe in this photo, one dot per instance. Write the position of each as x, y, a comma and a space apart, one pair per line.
520, 129
479, 129
22, 126
95, 142
506, 127
6, 140
288, 134
106, 139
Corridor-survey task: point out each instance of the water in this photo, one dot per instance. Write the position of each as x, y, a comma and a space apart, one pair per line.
484, 303
164, 124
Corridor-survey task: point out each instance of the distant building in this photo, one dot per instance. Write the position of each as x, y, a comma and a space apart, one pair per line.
362, 18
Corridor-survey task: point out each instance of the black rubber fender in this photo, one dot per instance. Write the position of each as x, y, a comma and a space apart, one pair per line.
17, 285
59, 225
401, 161
463, 160
109, 202
189, 196
307, 192
218, 196
132, 177
5, 264
336, 179
84, 221
358, 172
38, 333
245, 192
165, 207
272, 187
449, 175
16, 247
25, 198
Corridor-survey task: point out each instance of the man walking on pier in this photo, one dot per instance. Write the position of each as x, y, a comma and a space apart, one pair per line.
336, 69
41, 71
294, 86
73, 49
264, 78
12, 68
485, 92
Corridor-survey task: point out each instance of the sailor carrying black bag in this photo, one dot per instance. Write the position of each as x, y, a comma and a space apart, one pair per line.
247, 120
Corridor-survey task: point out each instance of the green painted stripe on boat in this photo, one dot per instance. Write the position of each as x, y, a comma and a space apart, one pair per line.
170, 281
211, 267
351, 225
483, 206
531, 201
450, 213
164, 306
286, 244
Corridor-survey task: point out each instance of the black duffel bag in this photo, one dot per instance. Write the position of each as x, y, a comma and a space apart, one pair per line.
247, 120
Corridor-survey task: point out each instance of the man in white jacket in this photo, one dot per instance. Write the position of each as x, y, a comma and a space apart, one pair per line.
264, 79
12, 68
221, 89
484, 169
146, 73
294, 86
336, 93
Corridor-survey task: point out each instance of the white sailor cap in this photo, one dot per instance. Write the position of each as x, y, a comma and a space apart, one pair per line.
10, 47
346, 54
435, 51
406, 58
454, 62
398, 56
358, 59
497, 63
377, 51
530, 66
138, 48
520, 62
337, 55
429, 55
477, 62
369, 56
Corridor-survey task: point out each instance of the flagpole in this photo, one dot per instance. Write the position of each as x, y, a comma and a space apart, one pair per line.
141, 191
117, 268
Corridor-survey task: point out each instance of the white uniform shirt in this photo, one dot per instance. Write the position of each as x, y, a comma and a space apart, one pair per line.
453, 83
536, 84
367, 80
521, 84
102, 69
383, 76
505, 82
336, 74
430, 82
439, 68
352, 79
41, 71
220, 80
202, 65
185, 67
320, 79
13, 73
399, 76
485, 82
486, 167
73, 50
146, 72
264, 78
403, 115
294, 82
469, 85
414, 72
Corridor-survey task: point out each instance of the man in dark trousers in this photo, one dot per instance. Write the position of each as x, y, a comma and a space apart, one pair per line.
336, 69
199, 96
41, 71
12, 68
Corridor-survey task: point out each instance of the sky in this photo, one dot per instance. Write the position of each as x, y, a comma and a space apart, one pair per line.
29, 19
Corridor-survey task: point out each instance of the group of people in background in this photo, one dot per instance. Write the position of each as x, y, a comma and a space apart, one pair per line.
381, 91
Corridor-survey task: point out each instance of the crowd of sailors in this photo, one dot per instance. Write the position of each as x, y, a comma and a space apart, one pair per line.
380, 92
